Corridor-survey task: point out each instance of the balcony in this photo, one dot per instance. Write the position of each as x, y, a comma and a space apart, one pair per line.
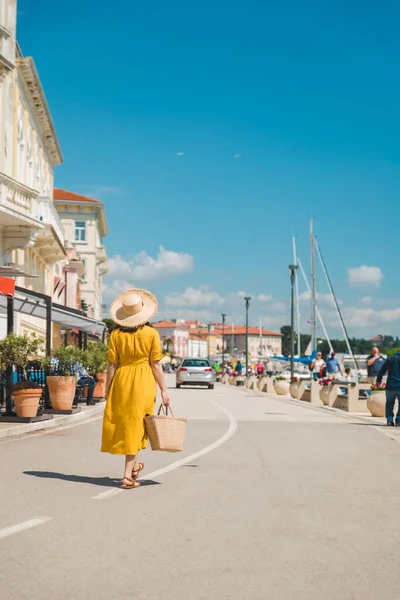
51, 239
102, 260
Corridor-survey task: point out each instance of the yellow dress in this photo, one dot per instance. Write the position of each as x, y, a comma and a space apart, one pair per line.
132, 393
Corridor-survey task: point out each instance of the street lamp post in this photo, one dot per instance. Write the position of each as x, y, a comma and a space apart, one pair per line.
223, 340
292, 269
247, 303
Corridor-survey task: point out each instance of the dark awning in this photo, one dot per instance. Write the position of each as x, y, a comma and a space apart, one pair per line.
28, 303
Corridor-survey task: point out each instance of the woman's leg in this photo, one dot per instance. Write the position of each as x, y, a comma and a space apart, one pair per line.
129, 464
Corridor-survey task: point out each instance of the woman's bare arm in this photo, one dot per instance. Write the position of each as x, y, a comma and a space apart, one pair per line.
111, 368
159, 377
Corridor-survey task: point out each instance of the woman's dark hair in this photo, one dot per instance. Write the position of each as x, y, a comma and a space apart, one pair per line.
133, 329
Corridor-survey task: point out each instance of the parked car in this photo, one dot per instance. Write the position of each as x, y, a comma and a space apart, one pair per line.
195, 371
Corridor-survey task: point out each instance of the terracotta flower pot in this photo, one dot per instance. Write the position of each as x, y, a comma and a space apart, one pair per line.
282, 387
324, 394
62, 391
26, 402
376, 403
100, 387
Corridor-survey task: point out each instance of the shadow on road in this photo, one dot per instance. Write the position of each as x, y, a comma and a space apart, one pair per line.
100, 481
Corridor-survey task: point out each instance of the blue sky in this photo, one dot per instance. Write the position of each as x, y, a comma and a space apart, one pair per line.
281, 113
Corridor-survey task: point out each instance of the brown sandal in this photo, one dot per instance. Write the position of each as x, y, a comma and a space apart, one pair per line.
131, 483
135, 472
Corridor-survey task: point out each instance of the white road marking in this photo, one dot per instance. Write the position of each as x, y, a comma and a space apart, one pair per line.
7, 531
180, 463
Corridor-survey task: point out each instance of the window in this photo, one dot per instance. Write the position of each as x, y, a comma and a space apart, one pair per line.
80, 231
195, 363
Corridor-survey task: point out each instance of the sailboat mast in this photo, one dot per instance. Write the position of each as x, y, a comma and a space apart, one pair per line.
313, 289
328, 281
297, 299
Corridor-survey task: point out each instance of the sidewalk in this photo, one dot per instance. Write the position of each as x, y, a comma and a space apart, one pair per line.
9, 430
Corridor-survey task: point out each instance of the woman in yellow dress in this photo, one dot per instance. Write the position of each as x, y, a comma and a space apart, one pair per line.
134, 367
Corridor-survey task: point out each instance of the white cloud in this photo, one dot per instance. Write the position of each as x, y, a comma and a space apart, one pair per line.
264, 297
363, 320
180, 154
326, 298
365, 276
194, 297
238, 155
366, 300
125, 273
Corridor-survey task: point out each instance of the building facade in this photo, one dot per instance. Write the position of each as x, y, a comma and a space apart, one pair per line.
31, 233
197, 346
261, 343
178, 335
84, 223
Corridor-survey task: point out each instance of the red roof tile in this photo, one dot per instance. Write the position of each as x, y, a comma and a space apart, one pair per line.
241, 330
167, 325
60, 194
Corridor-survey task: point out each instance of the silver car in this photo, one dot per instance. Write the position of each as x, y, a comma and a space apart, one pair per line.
195, 371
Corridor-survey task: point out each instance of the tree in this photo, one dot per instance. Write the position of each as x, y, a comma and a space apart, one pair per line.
109, 324
167, 344
286, 331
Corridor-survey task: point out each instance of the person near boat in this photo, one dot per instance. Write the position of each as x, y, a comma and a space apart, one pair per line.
260, 369
134, 370
317, 366
374, 364
333, 366
391, 366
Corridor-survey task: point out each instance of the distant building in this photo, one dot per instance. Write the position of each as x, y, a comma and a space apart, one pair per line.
378, 339
178, 334
85, 226
197, 346
269, 342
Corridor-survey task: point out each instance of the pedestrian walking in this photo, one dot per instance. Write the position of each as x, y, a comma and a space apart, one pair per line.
260, 369
317, 366
134, 367
269, 367
332, 366
374, 364
239, 368
391, 366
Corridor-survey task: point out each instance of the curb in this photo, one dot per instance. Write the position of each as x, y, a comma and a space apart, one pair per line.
57, 421
364, 417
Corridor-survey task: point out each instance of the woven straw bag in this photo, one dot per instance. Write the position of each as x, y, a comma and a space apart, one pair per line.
166, 433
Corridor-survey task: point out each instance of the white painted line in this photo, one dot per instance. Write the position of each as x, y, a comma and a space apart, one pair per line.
7, 531
180, 463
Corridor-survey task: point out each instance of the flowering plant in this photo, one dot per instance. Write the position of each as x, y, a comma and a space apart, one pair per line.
294, 379
324, 381
378, 387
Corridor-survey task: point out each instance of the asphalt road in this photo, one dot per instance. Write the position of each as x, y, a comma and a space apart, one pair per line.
271, 499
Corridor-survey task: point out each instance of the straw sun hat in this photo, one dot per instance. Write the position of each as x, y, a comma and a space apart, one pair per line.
133, 308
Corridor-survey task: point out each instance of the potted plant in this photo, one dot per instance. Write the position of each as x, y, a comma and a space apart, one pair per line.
282, 386
17, 351
94, 359
294, 383
62, 381
376, 401
324, 390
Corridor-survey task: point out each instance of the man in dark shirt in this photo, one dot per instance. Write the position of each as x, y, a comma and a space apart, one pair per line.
391, 366
374, 363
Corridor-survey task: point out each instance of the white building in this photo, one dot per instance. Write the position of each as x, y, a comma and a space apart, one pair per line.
31, 233
85, 226
176, 334
197, 346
